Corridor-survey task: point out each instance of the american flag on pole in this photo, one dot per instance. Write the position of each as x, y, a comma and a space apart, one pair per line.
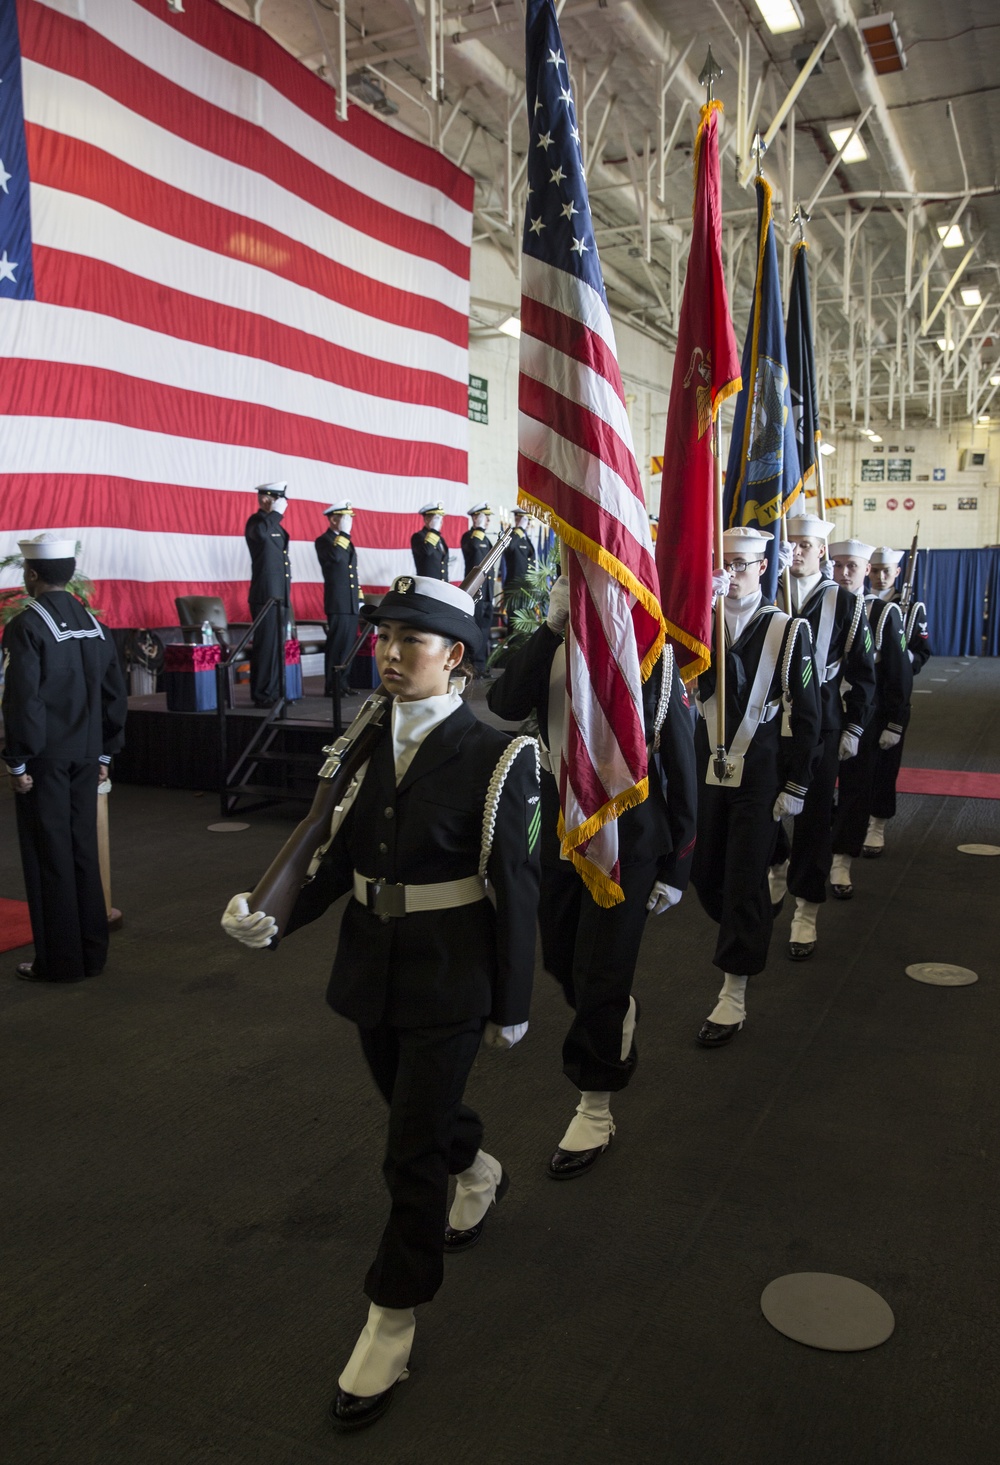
577, 471
208, 282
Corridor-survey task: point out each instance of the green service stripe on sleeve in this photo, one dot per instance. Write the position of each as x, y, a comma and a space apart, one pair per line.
534, 828
807, 672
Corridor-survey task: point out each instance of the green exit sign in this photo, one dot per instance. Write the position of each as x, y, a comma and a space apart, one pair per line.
479, 399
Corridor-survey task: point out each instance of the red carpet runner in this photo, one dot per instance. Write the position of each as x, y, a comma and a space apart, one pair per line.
942, 781
15, 928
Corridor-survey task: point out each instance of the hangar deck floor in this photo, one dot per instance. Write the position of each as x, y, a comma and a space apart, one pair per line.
191, 1192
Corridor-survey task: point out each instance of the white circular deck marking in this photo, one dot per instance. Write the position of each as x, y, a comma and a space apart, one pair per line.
826, 1311
227, 828
941, 974
979, 849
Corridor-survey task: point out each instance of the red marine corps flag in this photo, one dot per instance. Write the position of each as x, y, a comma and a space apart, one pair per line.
577, 471
706, 372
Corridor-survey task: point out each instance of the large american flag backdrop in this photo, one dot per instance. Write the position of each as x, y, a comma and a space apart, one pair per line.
577, 471
206, 283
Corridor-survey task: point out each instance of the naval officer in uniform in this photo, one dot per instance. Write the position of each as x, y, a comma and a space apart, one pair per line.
884, 574
429, 549
64, 706
518, 560
476, 545
338, 560
270, 578
772, 729
426, 965
844, 654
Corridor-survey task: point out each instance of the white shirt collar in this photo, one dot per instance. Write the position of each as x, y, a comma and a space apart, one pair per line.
739, 612
412, 721
802, 588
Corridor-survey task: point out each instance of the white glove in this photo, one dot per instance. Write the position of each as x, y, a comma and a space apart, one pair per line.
279, 506
784, 554
250, 928
913, 659
786, 803
662, 897
494, 1036
888, 739
720, 583
558, 606
848, 746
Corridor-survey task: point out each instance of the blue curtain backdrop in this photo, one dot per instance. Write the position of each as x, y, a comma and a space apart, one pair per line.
961, 590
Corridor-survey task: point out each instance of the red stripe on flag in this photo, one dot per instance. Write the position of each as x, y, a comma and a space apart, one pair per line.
169, 508
63, 163
240, 42
89, 284
581, 426
610, 688
71, 47
56, 389
554, 328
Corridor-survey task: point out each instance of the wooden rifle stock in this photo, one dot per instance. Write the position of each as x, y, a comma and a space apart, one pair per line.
911, 573
278, 890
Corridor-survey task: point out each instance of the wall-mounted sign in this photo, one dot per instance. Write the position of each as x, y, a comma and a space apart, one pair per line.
909, 448
968, 503
938, 475
870, 504
909, 503
872, 470
939, 506
894, 447
900, 470
892, 503
479, 399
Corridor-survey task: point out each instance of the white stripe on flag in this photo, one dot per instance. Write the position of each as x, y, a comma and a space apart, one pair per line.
564, 292
80, 226
251, 99
587, 474
576, 381
72, 108
106, 449
32, 331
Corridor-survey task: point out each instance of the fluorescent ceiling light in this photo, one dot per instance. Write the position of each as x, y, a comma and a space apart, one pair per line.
953, 236
780, 16
511, 327
984, 417
855, 152
826, 449
944, 344
874, 437
972, 296
995, 381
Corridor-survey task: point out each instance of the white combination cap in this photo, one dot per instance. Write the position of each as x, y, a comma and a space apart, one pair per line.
807, 526
276, 490
47, 547
883, 555
482, 508
848, 549
746, 539
431, 509
340, 509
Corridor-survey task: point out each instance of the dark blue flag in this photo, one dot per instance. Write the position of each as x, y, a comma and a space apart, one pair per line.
802, 370
762, 476
17, 279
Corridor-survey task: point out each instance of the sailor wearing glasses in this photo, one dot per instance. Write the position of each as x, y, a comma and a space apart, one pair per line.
772, 722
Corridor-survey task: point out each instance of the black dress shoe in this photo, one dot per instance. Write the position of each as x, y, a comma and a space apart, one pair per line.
464, 1240
872, 851
26, 971
351, 1411
800, 950
842, 892
568, 1164
714, 1034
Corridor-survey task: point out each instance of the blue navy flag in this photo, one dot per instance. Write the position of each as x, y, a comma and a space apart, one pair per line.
17, 277
762, 476
802, 369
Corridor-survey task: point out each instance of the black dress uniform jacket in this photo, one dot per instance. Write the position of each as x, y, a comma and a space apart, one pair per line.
338, 560
64, 708
592, 950
270, 570
430, 554
889, 760
848, 703
518, 559
915, 626
476, 545
736, 827
435, 967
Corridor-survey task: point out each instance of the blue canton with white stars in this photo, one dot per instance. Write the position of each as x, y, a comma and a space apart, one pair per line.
557, 224
17, 276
